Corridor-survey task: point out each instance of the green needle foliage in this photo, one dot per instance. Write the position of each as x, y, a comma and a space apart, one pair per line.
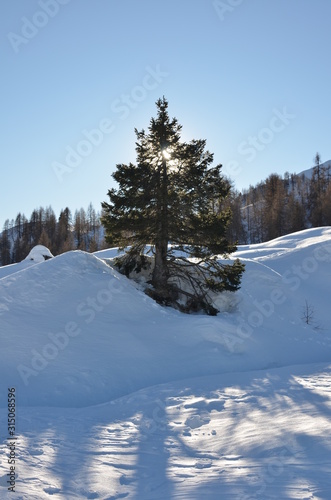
171, 200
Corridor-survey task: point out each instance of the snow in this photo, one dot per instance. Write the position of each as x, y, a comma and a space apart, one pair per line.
309, 172
118, 397
39, 253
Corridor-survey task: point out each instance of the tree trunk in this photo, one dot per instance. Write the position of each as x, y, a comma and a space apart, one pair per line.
160, 273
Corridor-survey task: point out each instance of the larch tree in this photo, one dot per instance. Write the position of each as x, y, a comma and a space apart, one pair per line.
170, 199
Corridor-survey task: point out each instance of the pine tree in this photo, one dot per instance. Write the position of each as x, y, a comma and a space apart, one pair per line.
170, 196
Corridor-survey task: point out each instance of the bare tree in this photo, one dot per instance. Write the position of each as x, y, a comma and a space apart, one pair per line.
309, 316
308, 313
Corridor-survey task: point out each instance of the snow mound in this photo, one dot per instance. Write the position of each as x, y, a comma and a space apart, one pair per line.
76, 333
39, 253
118, 397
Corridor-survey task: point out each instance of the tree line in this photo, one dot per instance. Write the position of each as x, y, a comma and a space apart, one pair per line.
274, 207
281, 205
81, 230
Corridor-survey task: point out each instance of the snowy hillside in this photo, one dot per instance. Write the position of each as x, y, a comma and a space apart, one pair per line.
309, 172
118, 397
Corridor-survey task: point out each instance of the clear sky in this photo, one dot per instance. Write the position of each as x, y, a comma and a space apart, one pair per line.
252, 77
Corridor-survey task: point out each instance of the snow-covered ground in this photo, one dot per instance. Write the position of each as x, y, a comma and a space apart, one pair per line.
309, 172
117, 397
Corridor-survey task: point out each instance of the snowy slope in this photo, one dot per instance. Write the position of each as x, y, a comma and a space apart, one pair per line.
118, 397
309, 172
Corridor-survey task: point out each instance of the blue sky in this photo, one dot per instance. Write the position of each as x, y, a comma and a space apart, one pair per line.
252, 77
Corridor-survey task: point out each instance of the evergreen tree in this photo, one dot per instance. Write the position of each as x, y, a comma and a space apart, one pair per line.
170, 196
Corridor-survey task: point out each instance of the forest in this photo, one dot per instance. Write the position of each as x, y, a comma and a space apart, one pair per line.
281, 205
81, 230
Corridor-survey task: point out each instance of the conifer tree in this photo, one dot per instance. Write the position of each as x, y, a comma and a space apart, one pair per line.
169, 197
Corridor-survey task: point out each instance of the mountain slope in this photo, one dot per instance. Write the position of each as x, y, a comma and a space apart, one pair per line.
309, 172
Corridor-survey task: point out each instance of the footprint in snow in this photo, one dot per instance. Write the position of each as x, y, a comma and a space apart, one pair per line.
90, 495
36, 452
124, 480
52, 490
121, 495
215, 405
204, 463
197, 421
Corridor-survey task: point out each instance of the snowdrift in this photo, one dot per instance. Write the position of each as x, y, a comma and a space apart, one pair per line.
119, 397
73, 322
